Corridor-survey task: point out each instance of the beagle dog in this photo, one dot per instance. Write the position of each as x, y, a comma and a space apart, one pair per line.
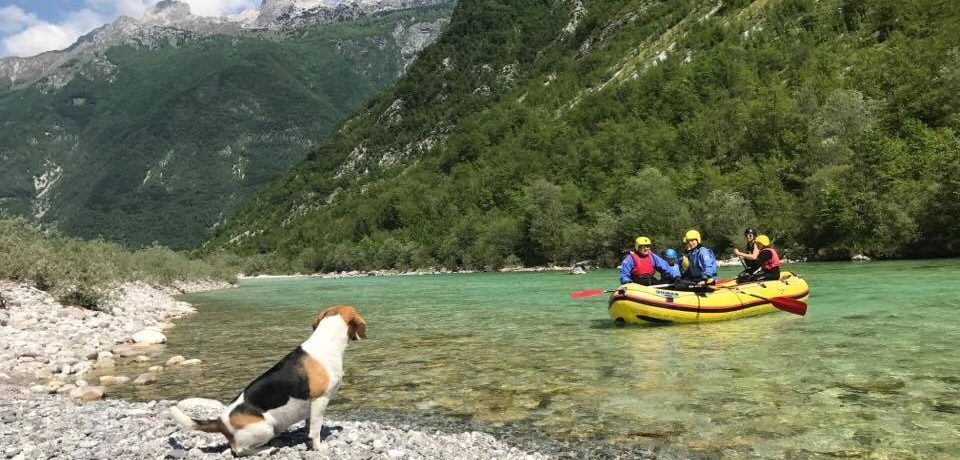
298, 387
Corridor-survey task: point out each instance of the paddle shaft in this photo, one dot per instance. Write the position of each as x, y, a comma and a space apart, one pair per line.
787, 304
595, 292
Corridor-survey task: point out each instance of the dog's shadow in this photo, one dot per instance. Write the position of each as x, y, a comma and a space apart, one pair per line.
288, 438
299, 435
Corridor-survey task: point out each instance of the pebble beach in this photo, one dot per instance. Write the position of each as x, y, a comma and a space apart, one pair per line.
50, 410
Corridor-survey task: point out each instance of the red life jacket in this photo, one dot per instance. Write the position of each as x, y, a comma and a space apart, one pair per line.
642, 266
774, 260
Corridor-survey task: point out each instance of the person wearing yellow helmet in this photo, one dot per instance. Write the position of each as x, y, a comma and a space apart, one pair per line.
703, 263
642, 263
767, 267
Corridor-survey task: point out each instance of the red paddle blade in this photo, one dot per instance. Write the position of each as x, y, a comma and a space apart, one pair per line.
797, 307
587, 293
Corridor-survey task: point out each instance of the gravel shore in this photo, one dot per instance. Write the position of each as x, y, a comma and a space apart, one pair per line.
44, 426
50, 411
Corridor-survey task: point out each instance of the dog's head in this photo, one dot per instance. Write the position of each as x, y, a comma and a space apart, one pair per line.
356, 326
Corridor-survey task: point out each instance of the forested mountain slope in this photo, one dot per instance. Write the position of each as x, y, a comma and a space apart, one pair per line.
539, 131
150, 131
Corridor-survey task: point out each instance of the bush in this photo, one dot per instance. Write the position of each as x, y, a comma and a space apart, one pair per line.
85, 297
77, 270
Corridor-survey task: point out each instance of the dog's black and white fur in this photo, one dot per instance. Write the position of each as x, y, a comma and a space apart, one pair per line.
298, 387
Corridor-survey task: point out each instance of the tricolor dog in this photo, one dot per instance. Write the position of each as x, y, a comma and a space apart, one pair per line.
297, 388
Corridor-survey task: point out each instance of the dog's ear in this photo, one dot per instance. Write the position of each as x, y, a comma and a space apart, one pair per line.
357, 328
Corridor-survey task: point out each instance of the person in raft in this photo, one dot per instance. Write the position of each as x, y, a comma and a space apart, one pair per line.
641, 264
749, 258
703, 264
768, 263
671, 273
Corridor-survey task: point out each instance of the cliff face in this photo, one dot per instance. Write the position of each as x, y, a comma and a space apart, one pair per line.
178, 118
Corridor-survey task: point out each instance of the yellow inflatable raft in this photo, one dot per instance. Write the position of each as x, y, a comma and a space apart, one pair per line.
638, 304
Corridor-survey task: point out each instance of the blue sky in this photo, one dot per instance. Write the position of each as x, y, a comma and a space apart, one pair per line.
30, 27
49, 10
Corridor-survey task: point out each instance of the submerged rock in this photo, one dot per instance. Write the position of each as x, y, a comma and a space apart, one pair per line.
146, 378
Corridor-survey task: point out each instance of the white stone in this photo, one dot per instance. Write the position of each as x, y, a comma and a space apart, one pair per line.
66, 388
175, 360
201, 408
150, 336
88, 393
191, 362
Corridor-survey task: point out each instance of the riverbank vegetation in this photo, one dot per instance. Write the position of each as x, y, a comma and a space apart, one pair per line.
78, 271
830, 125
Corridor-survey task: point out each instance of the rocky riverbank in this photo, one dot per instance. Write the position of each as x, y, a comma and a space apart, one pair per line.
44, 426
416, 272
50, 411
43, 341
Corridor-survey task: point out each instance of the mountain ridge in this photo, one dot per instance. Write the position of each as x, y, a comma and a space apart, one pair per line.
795, 116
184, 128
170, 22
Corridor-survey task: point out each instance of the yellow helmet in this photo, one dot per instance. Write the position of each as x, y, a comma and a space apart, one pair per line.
642, 241
763, 239
691, 235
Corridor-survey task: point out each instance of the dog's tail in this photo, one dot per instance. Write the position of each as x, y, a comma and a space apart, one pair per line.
214, 425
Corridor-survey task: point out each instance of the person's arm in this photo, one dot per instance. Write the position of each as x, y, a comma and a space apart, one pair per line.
763, 257
658, 263
709, 263
625, 268
748, 255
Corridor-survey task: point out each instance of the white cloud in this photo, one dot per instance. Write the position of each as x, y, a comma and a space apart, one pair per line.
135, 8
132, 8
220, 7
14, 19
23, 34
44, 36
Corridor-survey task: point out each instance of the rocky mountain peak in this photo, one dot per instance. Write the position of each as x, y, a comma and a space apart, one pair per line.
170, 22
166, 13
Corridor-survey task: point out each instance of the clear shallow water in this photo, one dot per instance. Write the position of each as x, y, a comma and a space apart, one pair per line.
873, 370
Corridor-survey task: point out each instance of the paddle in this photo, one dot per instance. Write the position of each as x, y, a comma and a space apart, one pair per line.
593, 292
589, 293
797, 307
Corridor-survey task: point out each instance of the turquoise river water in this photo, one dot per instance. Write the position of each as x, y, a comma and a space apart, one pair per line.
872, 371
